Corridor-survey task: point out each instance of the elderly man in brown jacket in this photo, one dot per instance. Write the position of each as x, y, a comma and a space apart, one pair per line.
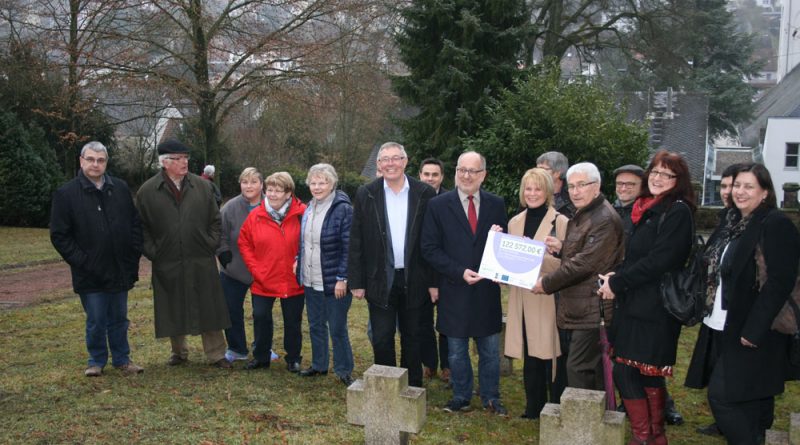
594, 243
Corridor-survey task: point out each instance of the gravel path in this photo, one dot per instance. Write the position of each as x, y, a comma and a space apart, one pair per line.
43, 282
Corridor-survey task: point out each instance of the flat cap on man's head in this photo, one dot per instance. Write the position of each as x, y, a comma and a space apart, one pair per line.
630, 168
172, 146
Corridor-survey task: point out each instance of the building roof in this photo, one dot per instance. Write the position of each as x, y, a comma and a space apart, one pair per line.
782, 100
371, 166
678, 122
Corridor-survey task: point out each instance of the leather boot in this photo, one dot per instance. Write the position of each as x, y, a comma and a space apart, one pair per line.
655, 401
639, 417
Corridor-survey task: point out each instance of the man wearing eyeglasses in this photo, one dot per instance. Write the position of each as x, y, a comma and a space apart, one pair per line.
628, 183
594, 243
182, 227
385, 265
453, 239
95, 227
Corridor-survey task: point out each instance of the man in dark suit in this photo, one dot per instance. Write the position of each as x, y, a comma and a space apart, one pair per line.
453, 238
431, 172
385, 264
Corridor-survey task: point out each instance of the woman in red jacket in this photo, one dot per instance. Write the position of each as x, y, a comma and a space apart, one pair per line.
269, 242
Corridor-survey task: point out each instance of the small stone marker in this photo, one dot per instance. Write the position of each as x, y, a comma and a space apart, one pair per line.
581, 419
386, 406
775, 437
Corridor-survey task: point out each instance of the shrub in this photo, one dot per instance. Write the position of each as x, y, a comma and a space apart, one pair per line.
29, 174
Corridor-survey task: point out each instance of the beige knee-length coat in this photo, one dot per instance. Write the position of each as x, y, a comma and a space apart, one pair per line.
539, 309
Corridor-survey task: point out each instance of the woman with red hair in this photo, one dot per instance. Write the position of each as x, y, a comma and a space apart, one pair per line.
644, 334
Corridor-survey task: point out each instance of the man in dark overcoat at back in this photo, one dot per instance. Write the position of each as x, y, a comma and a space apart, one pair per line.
182, 227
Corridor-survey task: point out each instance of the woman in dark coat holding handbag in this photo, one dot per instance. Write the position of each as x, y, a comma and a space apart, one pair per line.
741, 359
644, 334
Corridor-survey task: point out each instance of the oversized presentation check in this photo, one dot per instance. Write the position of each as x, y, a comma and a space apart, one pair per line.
512, 259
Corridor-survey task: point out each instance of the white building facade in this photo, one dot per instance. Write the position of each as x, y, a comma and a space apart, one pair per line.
789, 41
780, 152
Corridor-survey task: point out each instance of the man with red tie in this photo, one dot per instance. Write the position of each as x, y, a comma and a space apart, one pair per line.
454, 234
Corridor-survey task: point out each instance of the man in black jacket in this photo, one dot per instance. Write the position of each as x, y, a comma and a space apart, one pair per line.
434, 353
385, 264
628, 186
557, 164
95, 227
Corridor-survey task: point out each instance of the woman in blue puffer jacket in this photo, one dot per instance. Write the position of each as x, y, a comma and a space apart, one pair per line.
322, 270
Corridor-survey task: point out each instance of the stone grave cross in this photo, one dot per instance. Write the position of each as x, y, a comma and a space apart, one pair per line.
386, 406
581, 419
791, 437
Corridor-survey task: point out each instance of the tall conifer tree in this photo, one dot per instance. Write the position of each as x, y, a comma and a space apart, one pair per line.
460, 54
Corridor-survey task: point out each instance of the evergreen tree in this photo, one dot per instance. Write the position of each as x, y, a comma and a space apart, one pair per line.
701, 49
459, 54
28, 174
547, 113
35, 91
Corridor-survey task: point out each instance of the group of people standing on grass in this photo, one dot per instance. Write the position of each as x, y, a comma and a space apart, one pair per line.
411, 248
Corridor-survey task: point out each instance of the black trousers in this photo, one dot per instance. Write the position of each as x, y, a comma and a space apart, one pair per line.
537, 376
263, 327
742, 423
384, 325
434, 352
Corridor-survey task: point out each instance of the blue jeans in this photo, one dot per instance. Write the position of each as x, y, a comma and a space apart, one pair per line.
488, 368
106, 327
235, 291
329, 314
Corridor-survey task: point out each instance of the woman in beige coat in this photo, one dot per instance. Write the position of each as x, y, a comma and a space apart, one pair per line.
538, 342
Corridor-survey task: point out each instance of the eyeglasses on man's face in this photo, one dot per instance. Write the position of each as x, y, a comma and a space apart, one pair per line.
580, 186
629, 185
392, 159
178, 158
91, 160
662, 175
468, 171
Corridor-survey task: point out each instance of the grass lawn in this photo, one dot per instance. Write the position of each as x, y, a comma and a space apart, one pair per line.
25, 246
45, 399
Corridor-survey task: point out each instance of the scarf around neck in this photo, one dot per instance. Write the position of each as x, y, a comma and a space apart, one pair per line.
733, 228
279, 214
640, 206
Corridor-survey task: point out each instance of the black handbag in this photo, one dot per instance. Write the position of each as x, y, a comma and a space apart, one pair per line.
683, 291
788, 319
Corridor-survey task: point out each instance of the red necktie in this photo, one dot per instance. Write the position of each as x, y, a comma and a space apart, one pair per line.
472, 215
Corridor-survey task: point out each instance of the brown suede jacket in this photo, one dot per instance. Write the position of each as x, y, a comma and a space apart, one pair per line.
594, 245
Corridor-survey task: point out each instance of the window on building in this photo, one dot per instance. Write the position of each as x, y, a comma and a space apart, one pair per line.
792, 154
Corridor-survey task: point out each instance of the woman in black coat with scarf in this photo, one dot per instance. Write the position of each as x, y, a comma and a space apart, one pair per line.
644, 335
739, 357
